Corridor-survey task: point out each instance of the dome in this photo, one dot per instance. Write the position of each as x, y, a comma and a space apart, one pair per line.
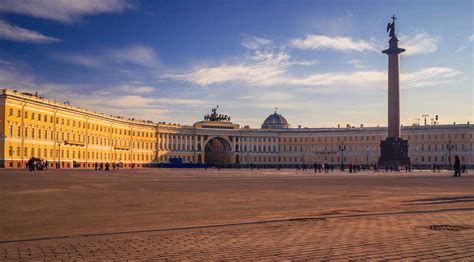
275, 121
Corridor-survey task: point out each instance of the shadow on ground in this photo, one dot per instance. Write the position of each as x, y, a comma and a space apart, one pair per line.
437, 201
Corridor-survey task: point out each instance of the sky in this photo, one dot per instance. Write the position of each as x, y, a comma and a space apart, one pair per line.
319, 62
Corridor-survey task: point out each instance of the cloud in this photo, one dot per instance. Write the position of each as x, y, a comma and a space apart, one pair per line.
471, 38
428, 77
63, 11
276, 74
79, 59
135, 54
258, 69
421, 43
356, 63
19, 34
139, 90
253, 42
321, 42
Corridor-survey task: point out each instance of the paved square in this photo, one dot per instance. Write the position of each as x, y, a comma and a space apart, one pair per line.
234, 215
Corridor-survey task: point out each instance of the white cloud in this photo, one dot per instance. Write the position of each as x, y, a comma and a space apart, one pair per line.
471, 38
338, 43
137, 89
61, 10
253, 42
276, 74
428, 77
135, 54
258, 69
356, 63
80, 59
19, 34
184, 101
421, 43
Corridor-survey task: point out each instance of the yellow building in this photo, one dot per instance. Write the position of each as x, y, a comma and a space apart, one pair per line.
68, 137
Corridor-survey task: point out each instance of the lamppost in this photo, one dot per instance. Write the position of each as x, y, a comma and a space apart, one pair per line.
368, 152
342, 147
450, 147
59, 155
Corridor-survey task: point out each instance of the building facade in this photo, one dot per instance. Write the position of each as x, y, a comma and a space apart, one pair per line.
71, 137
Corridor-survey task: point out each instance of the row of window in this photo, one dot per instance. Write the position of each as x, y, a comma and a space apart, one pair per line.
68, 122
77, 154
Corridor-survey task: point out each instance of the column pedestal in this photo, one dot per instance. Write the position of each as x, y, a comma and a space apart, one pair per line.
394, 152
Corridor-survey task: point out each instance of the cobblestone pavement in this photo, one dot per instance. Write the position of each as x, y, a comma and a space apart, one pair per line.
429, 218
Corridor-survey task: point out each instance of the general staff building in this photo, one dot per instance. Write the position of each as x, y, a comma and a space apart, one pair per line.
72, 137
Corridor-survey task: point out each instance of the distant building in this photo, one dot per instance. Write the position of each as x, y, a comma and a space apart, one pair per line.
72, 137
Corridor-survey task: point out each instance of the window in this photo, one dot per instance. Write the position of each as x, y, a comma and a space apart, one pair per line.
11, 130
33, 116
18, 151
39, 117
18, 113
10, 112
18, 129
32, 132
26, 114
10, 151
32, 152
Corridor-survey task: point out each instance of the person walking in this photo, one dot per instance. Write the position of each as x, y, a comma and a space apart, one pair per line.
457, 166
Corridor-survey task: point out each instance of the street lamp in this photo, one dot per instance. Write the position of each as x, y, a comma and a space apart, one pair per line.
58, 166
450, 147
342, 147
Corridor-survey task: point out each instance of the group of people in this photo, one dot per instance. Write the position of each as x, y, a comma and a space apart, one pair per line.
105, 167
35, 164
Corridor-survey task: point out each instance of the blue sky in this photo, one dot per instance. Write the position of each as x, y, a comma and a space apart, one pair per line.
319, 62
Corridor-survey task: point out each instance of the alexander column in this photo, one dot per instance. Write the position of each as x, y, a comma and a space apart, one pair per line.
394, 150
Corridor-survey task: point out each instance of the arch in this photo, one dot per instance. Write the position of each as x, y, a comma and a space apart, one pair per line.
218, 151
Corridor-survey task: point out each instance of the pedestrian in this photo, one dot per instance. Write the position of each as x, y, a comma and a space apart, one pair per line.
457, 166
96, 166
31, 164
107, 165
46, 164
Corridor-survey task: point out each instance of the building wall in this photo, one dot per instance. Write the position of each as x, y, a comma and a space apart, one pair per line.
72, 137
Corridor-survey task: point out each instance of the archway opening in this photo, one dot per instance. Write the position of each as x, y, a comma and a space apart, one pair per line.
218, 152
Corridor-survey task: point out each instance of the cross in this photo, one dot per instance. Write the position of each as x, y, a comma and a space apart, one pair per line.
276, 108
393, 18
